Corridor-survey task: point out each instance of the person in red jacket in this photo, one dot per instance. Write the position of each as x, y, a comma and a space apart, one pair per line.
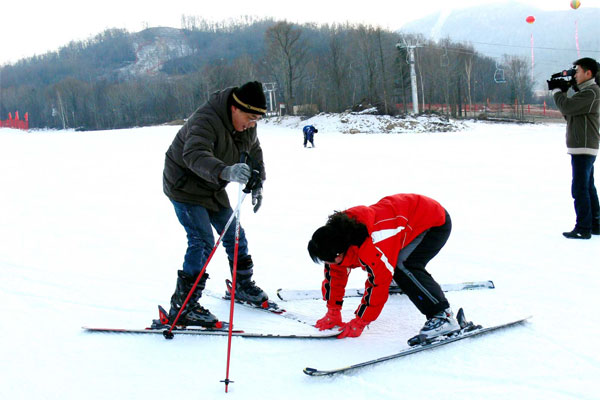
393, 239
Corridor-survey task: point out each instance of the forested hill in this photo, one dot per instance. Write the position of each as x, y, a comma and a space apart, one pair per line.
120, 79
116, 54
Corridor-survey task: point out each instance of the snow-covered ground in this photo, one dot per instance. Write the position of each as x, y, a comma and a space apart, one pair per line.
88, 238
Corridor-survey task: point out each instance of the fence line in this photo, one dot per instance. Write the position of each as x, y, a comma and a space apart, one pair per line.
15, 123
495, 109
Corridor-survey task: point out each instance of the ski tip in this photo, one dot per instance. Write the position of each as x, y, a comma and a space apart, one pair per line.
309, 370
491, 285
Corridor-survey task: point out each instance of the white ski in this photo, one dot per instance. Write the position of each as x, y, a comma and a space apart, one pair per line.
291, 294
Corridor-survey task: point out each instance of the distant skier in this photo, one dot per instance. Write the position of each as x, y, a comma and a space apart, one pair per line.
203, 158
309, 134
392, 239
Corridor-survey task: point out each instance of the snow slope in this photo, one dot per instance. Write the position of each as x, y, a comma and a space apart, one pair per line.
88, 238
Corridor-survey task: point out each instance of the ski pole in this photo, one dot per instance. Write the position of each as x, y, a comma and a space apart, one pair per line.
233, 283
241, 194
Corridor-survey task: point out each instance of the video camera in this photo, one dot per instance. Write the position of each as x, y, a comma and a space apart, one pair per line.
564, 74
563, 80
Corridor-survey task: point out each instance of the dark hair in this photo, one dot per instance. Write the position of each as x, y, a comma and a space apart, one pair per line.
588, 64
335, 237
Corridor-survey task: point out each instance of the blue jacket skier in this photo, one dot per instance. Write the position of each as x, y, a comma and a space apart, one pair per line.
309, 133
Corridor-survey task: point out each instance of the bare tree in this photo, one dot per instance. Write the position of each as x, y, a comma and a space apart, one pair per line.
368, 61
382, 68
519, 80
337, 67
468, 73
287, 53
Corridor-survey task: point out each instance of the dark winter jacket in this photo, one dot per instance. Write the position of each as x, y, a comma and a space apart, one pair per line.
309, 132
202, 148
581, 111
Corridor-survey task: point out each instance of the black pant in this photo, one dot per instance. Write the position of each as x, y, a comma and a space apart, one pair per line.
584, 192
411, 276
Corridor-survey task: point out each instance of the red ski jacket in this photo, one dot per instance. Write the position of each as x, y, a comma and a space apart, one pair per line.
393, 222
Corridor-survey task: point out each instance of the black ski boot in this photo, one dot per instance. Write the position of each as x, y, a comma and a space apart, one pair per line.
596, 226
246, 290
193, 314
578, 233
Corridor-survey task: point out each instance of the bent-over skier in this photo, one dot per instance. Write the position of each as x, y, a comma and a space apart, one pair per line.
392, 239
309, 134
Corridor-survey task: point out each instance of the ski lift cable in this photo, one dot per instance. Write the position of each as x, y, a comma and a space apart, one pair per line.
535, 47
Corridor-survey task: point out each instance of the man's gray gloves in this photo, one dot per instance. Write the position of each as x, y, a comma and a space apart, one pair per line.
236, 173
242, 173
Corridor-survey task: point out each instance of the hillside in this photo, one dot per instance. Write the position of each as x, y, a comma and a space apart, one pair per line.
495, 30
154, 47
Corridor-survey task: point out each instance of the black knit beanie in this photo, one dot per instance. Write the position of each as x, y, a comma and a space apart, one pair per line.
250, 98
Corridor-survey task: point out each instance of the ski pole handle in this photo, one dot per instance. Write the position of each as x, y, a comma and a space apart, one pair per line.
254, 181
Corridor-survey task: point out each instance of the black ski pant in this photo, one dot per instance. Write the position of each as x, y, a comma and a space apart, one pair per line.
411, 276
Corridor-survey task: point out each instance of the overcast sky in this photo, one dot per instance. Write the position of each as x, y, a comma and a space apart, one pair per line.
32, 27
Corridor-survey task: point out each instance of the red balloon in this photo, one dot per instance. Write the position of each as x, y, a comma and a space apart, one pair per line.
530, 19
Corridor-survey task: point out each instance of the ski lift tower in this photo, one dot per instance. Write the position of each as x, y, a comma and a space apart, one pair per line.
413, 74
271, 88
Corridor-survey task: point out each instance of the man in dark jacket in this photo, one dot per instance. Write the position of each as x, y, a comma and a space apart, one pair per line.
582, 114
203, 158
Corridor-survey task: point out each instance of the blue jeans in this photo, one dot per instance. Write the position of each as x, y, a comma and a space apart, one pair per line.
198, 223
583, 191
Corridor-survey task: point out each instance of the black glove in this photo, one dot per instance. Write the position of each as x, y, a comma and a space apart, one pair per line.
561, 84
574, 85
236, 173
316, 130
565, 85
257, 198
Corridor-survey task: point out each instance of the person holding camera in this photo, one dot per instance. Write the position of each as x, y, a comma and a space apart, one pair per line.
581, 112
203, 158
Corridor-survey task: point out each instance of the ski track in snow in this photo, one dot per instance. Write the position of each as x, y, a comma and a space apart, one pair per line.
88, 238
